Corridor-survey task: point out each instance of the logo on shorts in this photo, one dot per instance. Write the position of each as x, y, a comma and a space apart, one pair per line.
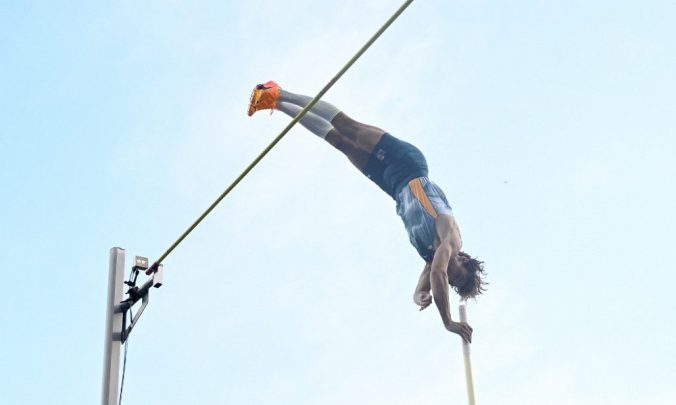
380, 155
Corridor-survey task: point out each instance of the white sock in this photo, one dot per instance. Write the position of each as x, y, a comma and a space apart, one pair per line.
323, 109
313, 122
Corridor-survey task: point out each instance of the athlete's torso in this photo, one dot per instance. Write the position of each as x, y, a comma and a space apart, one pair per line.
418, 205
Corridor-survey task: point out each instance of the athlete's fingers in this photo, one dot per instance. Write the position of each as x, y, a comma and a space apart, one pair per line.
469, 334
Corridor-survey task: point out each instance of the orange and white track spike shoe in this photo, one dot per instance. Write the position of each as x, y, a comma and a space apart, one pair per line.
263, 97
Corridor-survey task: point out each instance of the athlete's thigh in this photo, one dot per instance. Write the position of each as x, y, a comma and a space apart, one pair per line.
355, 154
363, 135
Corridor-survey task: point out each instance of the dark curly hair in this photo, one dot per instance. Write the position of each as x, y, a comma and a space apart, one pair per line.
474, 284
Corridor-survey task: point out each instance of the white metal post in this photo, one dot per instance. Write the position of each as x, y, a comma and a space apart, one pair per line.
468, 361
112, 342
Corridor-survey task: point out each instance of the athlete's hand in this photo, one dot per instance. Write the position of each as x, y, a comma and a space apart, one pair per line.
424, 299
462, 329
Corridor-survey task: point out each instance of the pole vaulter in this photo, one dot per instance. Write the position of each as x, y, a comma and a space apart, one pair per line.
395, 166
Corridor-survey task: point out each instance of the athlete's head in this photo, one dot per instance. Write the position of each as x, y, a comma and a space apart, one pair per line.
465, 275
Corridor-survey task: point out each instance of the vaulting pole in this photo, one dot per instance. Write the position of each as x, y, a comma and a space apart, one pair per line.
468, 361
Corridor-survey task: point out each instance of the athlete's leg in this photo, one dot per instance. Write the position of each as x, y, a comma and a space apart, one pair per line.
323, 128
363, 135
313, 122
354, 139
366, 136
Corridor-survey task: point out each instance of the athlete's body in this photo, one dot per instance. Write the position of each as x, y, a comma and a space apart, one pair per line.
400, 170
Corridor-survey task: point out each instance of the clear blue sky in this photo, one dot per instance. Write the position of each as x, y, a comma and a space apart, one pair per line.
550, 126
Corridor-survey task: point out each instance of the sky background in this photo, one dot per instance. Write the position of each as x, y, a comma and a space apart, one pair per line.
550, 126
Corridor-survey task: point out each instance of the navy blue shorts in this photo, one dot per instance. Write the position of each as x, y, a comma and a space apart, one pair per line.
393, 163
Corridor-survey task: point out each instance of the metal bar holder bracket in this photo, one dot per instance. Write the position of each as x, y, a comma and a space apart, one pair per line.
118, 323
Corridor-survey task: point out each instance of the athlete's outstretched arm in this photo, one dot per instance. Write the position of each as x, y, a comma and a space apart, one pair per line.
422, 296
439, 277
439, 280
